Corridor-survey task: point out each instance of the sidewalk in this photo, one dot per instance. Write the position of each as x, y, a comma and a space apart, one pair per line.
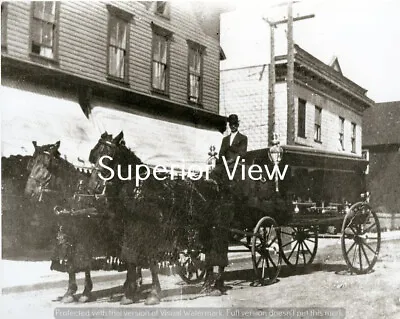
21, 275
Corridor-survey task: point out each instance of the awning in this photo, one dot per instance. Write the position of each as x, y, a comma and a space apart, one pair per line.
27, 117
156, 141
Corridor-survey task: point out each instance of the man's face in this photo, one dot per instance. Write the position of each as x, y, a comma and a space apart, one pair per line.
234, 127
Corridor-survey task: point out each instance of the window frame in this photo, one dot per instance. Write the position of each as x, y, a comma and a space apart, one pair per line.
4, 19
301, 117
167, 9
318, 125
55, 58
119, 14
194, 47
341, 132
161, 32
353, 137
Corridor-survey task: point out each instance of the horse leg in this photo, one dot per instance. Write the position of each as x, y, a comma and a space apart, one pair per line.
130, 287
219, 282
208, 280
72, 288
87, 295
139, 277
154, 296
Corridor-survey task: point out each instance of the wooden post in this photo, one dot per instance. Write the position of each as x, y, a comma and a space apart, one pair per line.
290, 78
271, 86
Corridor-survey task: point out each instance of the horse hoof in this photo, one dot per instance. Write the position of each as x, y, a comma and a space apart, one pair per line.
68, 299
84, 298
126, 301
152, 300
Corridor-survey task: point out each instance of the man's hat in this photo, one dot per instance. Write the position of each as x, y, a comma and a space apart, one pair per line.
233, 119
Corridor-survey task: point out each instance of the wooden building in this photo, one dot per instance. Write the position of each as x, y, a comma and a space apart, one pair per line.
381, 145
149, 68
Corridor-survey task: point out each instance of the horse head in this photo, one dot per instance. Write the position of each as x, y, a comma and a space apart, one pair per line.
40, 168
108, 152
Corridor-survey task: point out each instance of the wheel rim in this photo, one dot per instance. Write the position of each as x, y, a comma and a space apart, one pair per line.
191, 267
361, 238
299, 245
265, 251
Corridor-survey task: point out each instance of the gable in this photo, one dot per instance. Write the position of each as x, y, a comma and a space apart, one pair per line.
335, 65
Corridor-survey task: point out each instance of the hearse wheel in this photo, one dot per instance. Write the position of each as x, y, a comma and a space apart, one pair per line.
191, 267
361, 238
299, 245
265, 251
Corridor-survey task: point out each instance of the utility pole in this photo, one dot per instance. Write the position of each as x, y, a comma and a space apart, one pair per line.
289, 77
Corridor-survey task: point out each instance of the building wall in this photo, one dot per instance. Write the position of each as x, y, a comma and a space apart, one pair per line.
83, 40
331, 111
245, 92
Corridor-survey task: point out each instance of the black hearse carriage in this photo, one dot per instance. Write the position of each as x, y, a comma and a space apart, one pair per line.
322, 195
328, 197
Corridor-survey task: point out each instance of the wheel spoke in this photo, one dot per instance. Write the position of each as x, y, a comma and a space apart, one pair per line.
297, 255
302, 251
359, 256
366, 230
308, 248
288, 243
272, 261
369, 247
354, 256
366, 256
293, 250
352, 245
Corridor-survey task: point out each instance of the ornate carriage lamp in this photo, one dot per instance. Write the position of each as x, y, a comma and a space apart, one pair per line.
213, 156
275, 153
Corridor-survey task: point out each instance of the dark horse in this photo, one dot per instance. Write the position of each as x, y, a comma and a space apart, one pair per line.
55, 181
155, 213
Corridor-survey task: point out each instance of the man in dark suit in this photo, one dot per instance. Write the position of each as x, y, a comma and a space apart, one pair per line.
233, 146
216, 239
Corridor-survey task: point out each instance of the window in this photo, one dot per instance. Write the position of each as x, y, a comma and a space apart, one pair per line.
353, 137
4, 12
161, 8
301, 119
195, 72
341, 133
160, 60
118, 44
44, 29
317, 124
365, 155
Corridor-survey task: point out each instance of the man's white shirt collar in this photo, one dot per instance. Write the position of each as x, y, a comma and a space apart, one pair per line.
232, 137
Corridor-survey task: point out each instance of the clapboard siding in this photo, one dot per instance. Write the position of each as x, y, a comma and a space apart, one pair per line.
82, 46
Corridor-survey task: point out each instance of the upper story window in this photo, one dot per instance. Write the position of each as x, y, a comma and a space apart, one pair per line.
160, 60
161, 8
341, 132
353, 137
4, 13
317, 124
44, 29
301, 118
195, 72
118, 44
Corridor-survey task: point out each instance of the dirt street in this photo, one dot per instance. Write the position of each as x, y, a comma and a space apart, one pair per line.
324, 284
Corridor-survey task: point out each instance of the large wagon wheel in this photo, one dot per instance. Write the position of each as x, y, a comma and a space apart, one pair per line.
361, 238
265, 250
191, 267
299, 245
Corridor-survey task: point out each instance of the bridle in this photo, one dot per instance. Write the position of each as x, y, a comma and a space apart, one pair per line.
43, 181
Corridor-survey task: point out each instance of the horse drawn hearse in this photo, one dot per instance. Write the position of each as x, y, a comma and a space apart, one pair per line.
115, 224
